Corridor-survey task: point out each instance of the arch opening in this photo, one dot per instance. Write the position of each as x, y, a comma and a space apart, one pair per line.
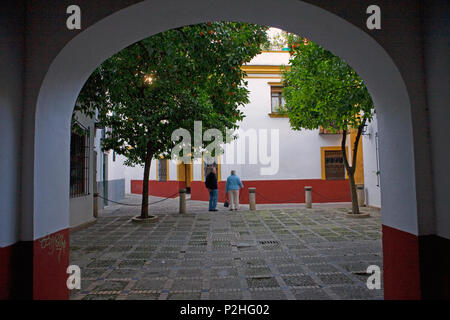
84, 53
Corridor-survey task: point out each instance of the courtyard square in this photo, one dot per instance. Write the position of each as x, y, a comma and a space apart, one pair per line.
279, 252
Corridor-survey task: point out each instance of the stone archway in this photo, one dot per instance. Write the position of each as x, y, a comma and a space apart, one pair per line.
49, 215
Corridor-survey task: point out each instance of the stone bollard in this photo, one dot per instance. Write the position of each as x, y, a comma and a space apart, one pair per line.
308, 200
252, 198
182, 200
95, 204
361, 195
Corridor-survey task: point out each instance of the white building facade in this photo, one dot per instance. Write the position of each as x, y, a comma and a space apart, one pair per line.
268, 155
95, 175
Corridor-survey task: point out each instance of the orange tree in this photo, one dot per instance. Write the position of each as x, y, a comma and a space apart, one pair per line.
168, 81
322, 90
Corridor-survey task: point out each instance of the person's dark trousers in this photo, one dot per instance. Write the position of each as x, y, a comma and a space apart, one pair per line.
213, 195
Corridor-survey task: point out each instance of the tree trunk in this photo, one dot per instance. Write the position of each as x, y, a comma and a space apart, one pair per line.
355, 206
144, 207
350, 172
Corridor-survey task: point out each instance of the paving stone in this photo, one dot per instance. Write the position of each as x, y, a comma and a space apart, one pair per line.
137, 264
257, 271
262, 282
149, 284
223, 272
291, 269
143, 296
139, 255
111, 285
154, 273
268, 295
165, 263
186, 285
354, 293
227, 295
310, 294
225, 283
335, 278
318, 268
100, 297
184, 296
122, 274
189, 273
92, 273
253, 262
100, 263
299, 281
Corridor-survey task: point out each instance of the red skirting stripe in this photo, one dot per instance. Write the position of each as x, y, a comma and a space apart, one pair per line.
282, 191
267, 191
401, 265
51, 259
158, 188
36, 269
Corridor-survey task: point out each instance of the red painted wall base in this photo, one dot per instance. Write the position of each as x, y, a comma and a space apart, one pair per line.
267, 191
415, 267
36, 269
158, 188
401, 272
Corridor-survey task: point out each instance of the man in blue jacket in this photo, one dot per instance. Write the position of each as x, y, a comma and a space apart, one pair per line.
211, 184
232, 187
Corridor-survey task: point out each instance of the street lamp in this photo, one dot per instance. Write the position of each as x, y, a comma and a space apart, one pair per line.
148, 79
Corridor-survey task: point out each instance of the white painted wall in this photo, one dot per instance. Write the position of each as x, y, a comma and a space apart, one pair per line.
371, 179
299, 151
116, 168
270, 59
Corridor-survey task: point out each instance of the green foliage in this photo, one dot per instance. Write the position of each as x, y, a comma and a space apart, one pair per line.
321, 89
168, 81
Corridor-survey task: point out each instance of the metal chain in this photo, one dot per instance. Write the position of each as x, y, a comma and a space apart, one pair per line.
138, 205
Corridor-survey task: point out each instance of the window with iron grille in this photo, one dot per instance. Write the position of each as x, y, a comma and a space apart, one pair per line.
334, 165
162, 169
79, 162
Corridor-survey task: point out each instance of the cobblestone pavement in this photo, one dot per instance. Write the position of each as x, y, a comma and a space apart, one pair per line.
276, 253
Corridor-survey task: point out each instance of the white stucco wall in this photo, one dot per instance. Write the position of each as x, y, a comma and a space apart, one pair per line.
371, 179
116, 168
270, 58
299, 151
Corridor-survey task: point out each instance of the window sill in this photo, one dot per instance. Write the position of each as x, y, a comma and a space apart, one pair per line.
278, 115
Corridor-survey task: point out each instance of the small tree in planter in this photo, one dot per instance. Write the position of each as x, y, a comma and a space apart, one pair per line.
322, 90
